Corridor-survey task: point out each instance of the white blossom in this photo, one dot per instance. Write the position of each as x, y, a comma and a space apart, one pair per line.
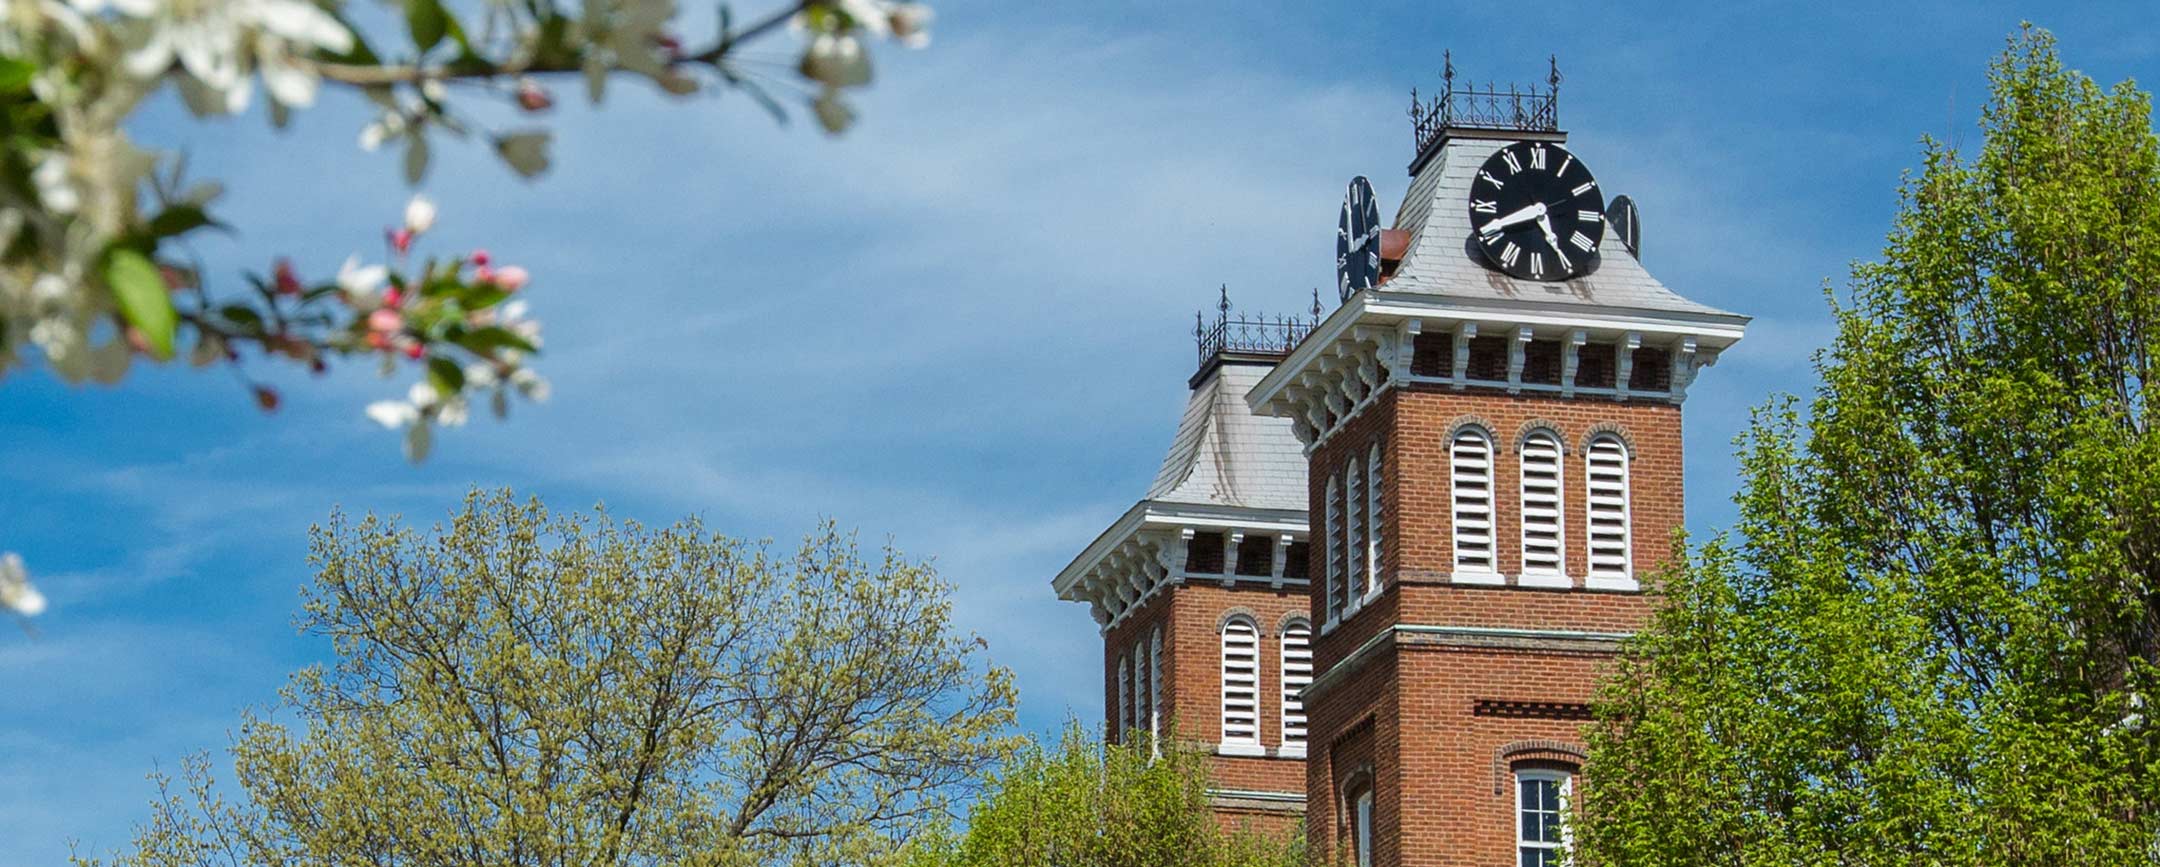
362, 284
16, 592
419, 215
53, 186
836, 60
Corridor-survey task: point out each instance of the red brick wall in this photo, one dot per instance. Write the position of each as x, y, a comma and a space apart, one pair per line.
1190, 616
1409, 713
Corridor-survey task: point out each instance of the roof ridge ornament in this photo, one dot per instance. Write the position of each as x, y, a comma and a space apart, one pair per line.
1534, 109
1248, 333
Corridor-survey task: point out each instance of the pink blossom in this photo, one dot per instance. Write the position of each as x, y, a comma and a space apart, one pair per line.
385, 320
288, 283
393, 297
511, 278
401, 240
479, 258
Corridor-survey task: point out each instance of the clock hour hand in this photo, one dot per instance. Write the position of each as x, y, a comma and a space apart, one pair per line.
1529, 212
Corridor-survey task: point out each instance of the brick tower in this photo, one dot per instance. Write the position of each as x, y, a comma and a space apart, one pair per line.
1200, 591
1494, 461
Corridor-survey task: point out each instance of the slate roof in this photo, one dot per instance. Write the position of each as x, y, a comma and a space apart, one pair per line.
1224, 455
1442, 261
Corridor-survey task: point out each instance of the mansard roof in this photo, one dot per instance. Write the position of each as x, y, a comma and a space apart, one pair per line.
1225, 455
1442, 259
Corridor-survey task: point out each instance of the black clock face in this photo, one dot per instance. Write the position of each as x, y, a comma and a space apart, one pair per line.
1537, 212
1357, 240
1626, 224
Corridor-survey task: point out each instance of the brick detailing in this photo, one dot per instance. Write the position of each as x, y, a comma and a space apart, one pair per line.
1533, 754
1532, 709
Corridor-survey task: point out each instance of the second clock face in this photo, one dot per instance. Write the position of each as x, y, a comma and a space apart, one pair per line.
1537, 212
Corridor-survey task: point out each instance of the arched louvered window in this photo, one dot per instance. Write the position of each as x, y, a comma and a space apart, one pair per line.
1296, 673
1375, 512
1605, 463
1142, 688
1331, 586
1154, 680
1124, 697
1240, 684
1471, 492
1544, 550
1354, 536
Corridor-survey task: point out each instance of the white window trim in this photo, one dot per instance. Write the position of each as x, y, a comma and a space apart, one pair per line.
1461, 575
1240, 748
1567, 792
1543, 578
1154, 660
1240, 745
1124, 696
1591, 579
1282, 653
1375, 515
1353, 535
1331, 582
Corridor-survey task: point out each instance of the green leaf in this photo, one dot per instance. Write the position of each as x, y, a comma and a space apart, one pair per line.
180, 219
15, 73
445, 375
241, 314
484, 341
144, 301
481, 296
428, 22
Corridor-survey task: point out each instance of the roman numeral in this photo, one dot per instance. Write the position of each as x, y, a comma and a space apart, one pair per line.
1488, 178
1514, 166
1590, 216
1587, 186
1537, 157
1565, 265
1564, 164
1509, 254
1582, 242
1484, 207
1537, 264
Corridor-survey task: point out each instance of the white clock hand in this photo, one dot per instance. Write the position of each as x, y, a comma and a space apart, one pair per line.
1528, 212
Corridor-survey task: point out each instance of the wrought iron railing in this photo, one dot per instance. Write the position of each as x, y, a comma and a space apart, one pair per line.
1250, 332
1532, 110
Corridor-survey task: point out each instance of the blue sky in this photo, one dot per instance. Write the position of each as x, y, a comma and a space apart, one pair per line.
963, 326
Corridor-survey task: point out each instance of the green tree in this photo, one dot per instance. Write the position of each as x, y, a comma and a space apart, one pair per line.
532, 689
1933, 638
1090, 804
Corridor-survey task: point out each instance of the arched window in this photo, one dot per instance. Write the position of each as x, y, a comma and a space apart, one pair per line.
1544, 551
1331, 586
1471, 492
1296, 674
1361, 828
1124, 697
1142, 688
1374, 513
1154, 680
1354, 538
1605, 463
1240, 684
1541, 798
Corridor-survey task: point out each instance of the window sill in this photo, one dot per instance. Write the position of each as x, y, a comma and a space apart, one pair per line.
1486, 578
1232, 748
1290, 751
1547, 580
1623, 585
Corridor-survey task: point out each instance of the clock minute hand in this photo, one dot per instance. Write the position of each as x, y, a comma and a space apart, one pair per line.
1528, 212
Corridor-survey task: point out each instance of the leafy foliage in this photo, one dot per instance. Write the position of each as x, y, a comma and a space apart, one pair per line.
532, 689
1935, 637
1090, 804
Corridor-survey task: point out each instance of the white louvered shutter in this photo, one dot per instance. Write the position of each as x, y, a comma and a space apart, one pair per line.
1331, 592
1470, 476
1154, 697
1296, 674
1141, 687
1374, 513
1240, 682
1543, 548
1354, 536
1606, 465
1124, 697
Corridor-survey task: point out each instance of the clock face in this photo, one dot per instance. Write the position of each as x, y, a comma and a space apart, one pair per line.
1626, 224
1357, 240
1537, 212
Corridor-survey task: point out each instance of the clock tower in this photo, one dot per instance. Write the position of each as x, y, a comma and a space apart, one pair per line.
1491, 425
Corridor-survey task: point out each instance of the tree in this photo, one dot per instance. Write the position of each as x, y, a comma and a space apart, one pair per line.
522, 688
1090, 804
1935, 635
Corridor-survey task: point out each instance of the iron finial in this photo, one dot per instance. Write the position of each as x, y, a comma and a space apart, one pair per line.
1316, 304
1224, 304
1197, 330
1447, 68
1552, 62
